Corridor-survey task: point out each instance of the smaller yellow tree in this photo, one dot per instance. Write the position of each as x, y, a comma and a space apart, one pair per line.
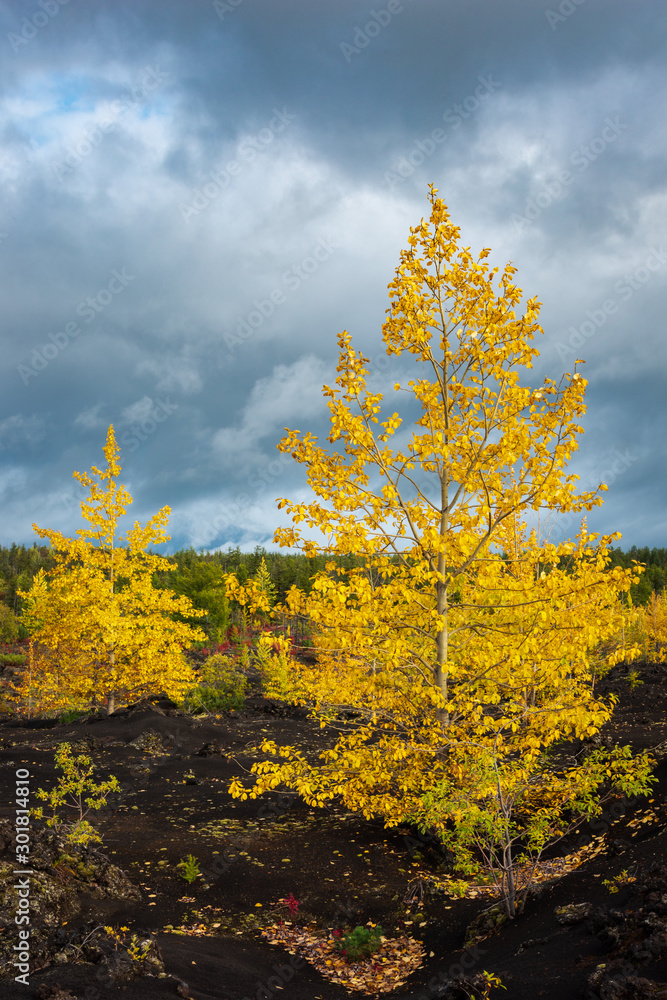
76, 780
107, 632
652, 628
264, 583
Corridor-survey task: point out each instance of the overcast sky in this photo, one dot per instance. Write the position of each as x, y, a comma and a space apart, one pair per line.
198, 196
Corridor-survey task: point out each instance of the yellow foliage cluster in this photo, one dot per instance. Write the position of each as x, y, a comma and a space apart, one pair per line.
75, 782
102, 630
463, 645
647, 627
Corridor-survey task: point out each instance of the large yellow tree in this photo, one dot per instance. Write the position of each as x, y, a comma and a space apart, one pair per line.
462, 647
106, 632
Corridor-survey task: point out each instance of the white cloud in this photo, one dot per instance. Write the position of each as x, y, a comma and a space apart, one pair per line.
17, 430
291, 393
137, 412
172, 373
90, 419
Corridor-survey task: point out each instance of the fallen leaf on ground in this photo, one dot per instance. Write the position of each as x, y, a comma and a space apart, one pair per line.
384, 971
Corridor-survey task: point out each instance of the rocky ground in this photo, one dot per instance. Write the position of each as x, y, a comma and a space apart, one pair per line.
167, 937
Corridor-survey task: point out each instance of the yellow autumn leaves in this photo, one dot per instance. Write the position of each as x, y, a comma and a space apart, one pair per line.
461, 648
105, 634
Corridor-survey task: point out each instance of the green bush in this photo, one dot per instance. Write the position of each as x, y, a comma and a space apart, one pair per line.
221, 686
360, 943
71, 715
189, 868
13, 659
9, 624
204, 584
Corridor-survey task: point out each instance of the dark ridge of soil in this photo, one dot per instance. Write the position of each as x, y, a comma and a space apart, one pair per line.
342, 869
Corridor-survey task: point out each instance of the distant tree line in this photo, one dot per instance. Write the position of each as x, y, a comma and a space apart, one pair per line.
286, 570
653, 578
199, 575
18, 565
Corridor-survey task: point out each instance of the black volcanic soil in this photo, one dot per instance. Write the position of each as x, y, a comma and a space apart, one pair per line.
202, 938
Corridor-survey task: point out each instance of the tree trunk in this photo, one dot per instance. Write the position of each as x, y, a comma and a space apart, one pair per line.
111, 699
441, 658
442, 639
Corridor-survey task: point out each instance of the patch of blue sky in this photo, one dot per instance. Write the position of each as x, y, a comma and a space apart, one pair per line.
67, 91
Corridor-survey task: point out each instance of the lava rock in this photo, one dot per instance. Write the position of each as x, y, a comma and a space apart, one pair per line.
573, 913
618, 987
208, 750
148, 742
45, 992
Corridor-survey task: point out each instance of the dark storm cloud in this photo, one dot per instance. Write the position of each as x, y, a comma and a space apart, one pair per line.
197, 197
